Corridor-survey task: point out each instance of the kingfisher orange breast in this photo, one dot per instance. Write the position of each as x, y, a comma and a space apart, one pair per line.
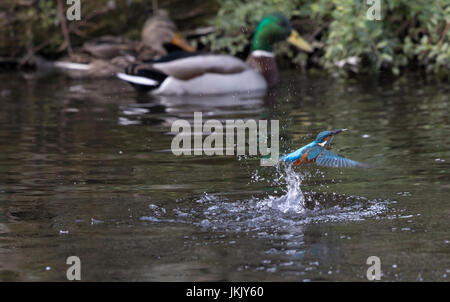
303, 160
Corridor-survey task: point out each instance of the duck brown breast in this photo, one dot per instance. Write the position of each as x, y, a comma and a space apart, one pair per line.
266, 66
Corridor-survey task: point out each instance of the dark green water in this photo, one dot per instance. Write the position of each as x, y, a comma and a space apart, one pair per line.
86, 170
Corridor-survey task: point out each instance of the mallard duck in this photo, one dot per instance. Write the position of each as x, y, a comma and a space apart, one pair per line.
106, 56
159, 37
202, 73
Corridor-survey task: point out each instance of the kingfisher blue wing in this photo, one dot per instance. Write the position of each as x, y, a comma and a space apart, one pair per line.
329, 159
314, 152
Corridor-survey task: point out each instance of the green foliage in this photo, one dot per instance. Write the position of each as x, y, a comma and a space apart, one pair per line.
34, 24
410, 34
237, 20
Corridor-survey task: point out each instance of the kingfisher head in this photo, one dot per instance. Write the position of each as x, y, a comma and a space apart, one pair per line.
325, 137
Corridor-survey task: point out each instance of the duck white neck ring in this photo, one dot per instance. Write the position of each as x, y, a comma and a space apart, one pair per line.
262, 53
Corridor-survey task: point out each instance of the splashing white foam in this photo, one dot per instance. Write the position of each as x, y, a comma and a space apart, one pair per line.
270, 215
293, 200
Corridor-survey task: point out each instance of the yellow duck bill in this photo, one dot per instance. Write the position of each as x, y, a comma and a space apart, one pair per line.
298, 41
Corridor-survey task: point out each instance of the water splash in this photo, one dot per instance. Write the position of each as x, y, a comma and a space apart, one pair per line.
219, 213
293, 200
270, 215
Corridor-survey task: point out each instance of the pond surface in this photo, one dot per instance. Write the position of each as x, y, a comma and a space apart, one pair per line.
86, 170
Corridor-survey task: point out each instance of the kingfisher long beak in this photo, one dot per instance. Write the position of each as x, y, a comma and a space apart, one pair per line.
298, 41
338, 131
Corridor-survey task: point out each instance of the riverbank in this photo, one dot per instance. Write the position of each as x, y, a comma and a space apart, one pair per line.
346, 39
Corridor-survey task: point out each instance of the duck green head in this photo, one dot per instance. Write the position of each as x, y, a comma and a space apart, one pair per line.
275, 28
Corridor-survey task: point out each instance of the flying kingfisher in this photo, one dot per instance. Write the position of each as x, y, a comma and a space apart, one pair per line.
316, 152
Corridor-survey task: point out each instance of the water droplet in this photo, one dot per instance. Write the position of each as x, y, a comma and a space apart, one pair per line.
271, 269
419, 277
